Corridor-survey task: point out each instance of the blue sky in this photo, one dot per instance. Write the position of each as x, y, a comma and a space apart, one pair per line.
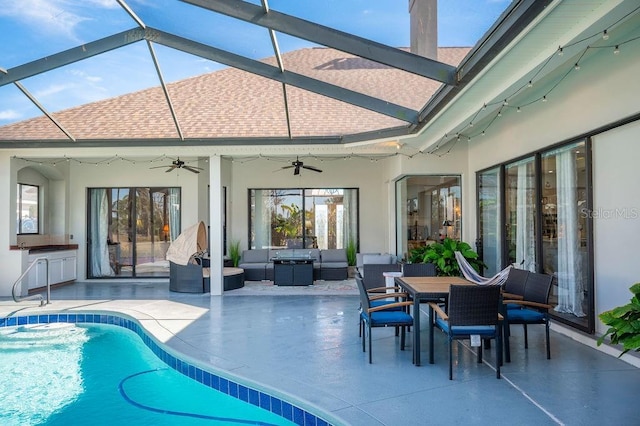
32, 29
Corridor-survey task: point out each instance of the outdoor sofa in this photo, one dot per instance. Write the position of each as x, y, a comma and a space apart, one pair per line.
328, 264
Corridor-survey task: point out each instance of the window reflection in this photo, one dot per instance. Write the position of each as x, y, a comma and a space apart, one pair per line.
429, 209
303, 218
28, 207
130, 230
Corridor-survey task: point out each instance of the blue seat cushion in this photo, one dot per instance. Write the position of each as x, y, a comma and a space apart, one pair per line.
376, 303
513, 306
380, 318
466, 330
525, 315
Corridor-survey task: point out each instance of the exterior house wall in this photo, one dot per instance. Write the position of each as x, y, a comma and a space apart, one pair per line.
124, 174
10, 260
362, 173
604, 91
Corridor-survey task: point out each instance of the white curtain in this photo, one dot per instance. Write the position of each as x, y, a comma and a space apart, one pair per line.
264, 205
174, 213
569, 273
100, 265
525, 217
350, 219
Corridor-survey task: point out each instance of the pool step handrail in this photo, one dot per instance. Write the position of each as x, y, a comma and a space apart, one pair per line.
19, 299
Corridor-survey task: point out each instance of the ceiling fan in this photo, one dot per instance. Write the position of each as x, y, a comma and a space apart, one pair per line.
297, 165
179, 164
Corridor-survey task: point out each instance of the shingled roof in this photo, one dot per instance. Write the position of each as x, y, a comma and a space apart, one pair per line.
231, 103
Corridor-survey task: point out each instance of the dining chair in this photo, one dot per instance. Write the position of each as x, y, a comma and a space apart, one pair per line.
471, 311
513, 287
533, 309
376, 312
418, 270
381, 296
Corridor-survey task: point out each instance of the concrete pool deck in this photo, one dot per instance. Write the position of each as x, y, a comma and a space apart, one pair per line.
307, 345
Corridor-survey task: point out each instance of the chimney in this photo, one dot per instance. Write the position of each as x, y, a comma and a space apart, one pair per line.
424, 28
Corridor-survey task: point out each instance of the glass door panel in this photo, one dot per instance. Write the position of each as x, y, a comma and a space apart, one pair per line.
564, 244
121, 232
490, 224
520, 203
323, 214
152, 231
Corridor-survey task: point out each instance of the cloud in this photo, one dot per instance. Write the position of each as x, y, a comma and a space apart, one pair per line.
59, 17
51, 90
9, 114
85, 76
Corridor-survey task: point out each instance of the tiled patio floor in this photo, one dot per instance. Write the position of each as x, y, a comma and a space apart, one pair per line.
308, 346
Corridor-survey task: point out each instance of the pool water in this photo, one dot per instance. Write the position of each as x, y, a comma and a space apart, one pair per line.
64, 374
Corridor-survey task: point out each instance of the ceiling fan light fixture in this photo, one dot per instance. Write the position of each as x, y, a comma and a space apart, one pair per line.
179, 164
297, 165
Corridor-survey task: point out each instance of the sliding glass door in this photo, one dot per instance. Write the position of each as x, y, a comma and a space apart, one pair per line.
564, 244
543, 225
130, 230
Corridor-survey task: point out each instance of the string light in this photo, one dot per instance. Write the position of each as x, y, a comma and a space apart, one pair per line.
616, 50
605, 35
576, 67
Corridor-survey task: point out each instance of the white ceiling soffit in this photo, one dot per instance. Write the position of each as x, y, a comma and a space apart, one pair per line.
533, 55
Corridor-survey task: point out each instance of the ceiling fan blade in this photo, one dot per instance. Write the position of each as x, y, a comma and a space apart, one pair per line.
191, 169
312, 168
171, 168
286, 167
159, 167
296, 171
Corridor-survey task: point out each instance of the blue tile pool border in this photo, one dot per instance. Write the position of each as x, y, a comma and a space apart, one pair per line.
261, 399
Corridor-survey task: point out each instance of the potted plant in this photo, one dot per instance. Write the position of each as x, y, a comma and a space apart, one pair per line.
234, 253
351, 257
442, 255
624, 323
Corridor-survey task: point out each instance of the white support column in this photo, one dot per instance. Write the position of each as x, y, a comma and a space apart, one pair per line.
215, 225
10, 260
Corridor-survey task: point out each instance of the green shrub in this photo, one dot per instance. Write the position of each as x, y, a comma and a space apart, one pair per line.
351, 252
624, 323
234, 252
442, 255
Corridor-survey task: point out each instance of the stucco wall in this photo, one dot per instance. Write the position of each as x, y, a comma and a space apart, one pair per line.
601, 93
124, 174
369, 177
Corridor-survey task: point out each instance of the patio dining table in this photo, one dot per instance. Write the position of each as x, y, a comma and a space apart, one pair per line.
426, 289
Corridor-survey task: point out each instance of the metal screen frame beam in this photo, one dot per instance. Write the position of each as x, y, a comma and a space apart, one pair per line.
287, 77
330, 37
72, 55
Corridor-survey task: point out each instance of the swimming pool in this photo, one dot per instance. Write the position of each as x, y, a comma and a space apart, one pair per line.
83, 368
